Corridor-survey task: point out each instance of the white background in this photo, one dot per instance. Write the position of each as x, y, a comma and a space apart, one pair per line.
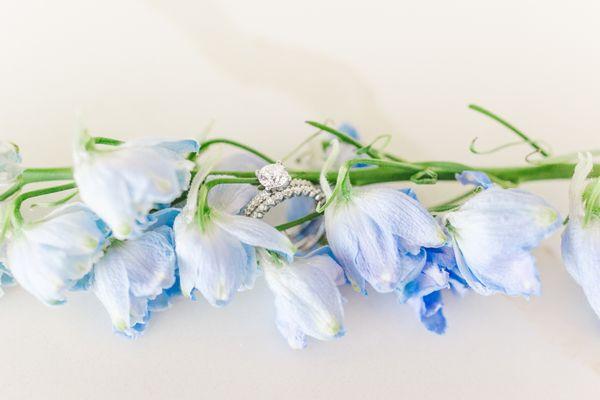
259, 69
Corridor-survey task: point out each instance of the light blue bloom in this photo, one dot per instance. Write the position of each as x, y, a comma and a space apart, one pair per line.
307, 300
493, 234
218, 258
6, 278
216, 251
48, 257
134, 276
378, 235
10, 165
475, 178
581, 238
424, 293
123, 183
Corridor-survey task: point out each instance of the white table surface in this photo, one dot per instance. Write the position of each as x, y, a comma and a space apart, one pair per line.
259, 69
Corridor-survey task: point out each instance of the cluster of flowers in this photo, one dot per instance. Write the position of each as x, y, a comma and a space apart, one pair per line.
145, 231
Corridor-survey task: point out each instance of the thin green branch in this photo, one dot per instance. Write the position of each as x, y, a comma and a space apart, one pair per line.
205, 145
31, 175
445, 172
36, 193
107, 141
506, 124
299, 221
371, 152
455, 202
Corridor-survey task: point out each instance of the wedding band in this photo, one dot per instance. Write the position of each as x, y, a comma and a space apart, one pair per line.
277, 187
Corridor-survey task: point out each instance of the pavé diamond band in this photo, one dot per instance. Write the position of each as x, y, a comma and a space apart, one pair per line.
278, 187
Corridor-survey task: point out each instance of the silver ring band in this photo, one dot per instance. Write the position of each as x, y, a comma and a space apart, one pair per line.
278, 186
265, 200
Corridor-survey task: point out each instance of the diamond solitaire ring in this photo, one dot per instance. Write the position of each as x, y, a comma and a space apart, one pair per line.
277, 187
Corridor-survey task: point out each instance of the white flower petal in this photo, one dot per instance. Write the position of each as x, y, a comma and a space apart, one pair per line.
493, 235
307, 299
211, 260
581, 238
49, 257
122, 184
254, 232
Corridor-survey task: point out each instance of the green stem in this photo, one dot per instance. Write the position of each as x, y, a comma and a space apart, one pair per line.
203, 207
11, 190
206, 144
445, 172
511, 127
353, 142
453, 203
36, 193
31, 175
299, 221
107, 141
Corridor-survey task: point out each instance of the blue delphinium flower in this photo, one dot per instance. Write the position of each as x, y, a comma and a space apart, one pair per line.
581, 238
216, 247
10, 165
379, 235
49, 257
298, 207
424, 294
135, 276
493, 234
307, 300
123, 183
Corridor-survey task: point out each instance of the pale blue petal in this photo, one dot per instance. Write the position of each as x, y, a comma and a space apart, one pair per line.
289, 330
131, 274
430, 311
404, 215
494, 233
250, 269
581, 238
5, 277
378, 234
232, 198
122, 184
111, 286
363, 248
474, 178
10, 165
307, 299
160, 303
513, 274
181, 147
49, 257
151, 262
164, 217
330, 268
212, 261
255, 232
410, 193
433, 278
581, 255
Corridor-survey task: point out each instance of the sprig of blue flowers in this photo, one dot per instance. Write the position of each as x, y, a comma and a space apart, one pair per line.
144, 221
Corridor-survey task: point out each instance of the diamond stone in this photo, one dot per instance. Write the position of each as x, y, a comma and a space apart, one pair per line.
274, 176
